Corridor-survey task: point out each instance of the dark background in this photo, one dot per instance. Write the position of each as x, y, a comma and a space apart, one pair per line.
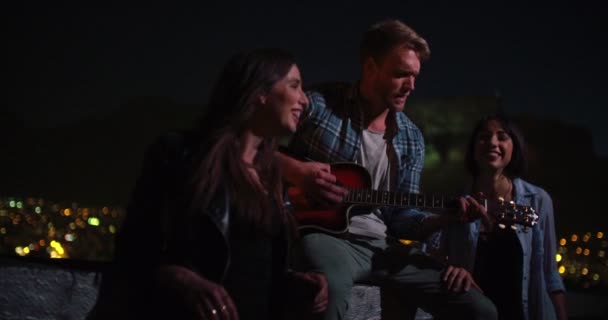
90, 86
68, 61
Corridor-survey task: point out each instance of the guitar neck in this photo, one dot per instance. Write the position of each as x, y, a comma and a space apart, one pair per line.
371, 197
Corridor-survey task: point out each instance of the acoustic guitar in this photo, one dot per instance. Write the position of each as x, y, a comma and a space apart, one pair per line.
361, 197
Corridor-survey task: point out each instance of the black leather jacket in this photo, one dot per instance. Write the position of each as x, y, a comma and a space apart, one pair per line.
156, 231
199, 243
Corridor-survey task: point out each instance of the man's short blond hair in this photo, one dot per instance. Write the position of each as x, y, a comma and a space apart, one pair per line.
385, 35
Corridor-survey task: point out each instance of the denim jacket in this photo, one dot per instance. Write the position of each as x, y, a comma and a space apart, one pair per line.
540, 275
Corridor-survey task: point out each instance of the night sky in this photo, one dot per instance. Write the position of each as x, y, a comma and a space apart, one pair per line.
70, 62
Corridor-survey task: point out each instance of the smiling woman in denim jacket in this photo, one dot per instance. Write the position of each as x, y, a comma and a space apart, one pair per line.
514, 268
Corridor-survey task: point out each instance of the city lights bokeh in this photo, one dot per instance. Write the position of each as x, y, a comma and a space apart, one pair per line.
38, 228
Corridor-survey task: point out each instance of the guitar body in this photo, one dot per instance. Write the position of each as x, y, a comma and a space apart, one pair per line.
335, 219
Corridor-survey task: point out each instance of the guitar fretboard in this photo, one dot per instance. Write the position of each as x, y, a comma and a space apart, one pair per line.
397, 199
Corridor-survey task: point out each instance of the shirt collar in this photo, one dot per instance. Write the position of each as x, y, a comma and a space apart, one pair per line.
355, 99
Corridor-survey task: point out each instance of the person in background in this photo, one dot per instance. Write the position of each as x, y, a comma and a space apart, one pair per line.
514, 268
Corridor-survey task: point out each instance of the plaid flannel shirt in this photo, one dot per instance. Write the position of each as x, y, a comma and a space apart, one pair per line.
330, 131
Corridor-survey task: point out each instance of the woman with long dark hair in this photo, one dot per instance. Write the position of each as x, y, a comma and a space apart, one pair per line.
514, 267
207, 232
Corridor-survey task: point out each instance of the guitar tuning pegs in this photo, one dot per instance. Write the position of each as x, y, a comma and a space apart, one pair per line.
501, 200
513, 227
501, 225
526, 229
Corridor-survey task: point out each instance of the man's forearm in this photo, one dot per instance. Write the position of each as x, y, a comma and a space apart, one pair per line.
415, 225
433, 223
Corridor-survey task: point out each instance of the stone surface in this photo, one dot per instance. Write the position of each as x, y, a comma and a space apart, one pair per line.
364, 303
65, 290
45, 291
59, 289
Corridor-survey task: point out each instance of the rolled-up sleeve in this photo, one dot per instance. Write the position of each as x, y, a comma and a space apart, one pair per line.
407, 223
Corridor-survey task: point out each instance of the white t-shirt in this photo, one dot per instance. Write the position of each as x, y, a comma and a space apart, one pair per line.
372, 156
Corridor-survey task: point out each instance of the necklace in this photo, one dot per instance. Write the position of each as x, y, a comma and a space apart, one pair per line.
506, 196
494, 189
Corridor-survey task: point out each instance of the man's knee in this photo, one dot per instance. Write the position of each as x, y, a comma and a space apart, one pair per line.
483, 308
338, 287
313, 251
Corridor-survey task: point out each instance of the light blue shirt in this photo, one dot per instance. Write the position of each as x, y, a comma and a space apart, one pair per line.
540, 276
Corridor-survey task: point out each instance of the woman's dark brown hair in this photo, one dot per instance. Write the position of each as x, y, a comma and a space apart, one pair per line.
244, 78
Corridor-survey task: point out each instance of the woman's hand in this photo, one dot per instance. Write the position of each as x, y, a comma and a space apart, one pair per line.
205, 299
307, 293
459, 279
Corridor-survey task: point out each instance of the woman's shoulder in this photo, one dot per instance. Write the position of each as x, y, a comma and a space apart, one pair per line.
527, 186
171, 140
171, 146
